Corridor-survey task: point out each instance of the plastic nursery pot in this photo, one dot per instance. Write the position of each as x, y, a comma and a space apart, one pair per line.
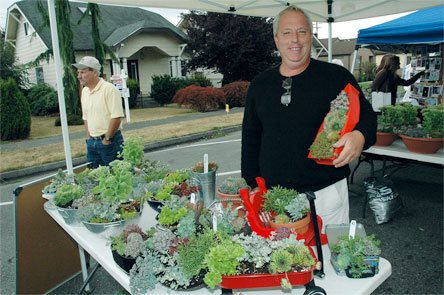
156, 205
123, 262
350, 123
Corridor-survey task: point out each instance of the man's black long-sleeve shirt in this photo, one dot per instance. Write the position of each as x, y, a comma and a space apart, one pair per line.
276, 138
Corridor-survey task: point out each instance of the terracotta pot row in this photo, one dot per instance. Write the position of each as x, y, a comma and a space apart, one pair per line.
413, 144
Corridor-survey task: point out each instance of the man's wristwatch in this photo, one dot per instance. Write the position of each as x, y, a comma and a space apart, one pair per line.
107, 138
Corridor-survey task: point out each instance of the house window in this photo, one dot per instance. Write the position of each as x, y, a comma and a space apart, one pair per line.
26, 27
39, 75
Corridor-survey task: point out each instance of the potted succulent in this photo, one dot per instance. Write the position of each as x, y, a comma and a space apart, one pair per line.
387, 120
65, 201
205, 174
128, 245
60, 178
287, 208
428, 137
357, 257
111, 202
177, 183
175, 254
252, 261
342, 118
229, 190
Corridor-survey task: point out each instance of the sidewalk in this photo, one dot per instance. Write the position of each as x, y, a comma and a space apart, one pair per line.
10, 175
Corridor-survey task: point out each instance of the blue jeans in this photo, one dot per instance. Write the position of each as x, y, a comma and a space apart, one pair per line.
100, 154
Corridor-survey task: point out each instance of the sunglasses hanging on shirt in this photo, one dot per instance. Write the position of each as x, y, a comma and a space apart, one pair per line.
286, 97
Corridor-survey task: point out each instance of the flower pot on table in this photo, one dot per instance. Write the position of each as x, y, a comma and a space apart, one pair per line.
300, 226
125, 263
385, 138
422, 145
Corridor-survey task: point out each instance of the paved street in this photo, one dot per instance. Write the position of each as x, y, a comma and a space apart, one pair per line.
412, 242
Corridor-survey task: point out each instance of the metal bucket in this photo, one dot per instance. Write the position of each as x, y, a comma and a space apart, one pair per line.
69, 215
207, 186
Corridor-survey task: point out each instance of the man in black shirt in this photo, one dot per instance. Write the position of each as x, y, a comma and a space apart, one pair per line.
285, 107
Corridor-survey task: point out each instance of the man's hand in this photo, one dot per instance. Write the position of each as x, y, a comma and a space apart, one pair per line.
353, 143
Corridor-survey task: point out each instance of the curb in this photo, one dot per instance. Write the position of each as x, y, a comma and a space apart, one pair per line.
15, 174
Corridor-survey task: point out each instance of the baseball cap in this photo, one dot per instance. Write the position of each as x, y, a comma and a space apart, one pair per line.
88, 62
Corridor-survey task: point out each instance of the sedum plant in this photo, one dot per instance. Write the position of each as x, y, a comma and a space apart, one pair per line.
132, 151
287, 204
351, 252
334, 122
60, 178
199, 167
232, 185
67, 193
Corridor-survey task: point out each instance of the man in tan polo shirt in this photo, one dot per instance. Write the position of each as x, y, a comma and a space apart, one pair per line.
102, 113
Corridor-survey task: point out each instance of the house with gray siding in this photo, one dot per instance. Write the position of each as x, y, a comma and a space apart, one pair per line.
145, 43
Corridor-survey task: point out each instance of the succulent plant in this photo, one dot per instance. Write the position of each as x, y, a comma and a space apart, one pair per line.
67, 193
334, 122
199, 167
232, 185
60, 178
351, 252
132, 151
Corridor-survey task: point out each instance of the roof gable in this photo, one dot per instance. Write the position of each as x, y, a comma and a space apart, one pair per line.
117, 23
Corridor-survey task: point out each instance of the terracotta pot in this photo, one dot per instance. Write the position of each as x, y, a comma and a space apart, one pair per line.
300, 226
234, 204
385, 138
422, 145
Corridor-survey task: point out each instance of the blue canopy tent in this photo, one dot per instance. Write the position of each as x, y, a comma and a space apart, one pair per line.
406, 33
420, 27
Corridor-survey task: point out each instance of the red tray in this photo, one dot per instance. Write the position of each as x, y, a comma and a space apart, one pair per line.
267, 279
253, 205
350, 122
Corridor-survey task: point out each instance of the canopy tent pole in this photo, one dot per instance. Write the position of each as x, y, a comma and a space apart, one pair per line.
355, 53
330, 21
60, 88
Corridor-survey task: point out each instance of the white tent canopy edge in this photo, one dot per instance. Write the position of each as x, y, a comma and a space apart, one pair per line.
319, 10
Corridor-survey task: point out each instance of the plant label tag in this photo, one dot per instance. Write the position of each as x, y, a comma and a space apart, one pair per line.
214, 223
205, 163
352, 230
193, 198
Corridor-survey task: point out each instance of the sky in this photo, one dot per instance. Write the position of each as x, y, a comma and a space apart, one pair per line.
342, 30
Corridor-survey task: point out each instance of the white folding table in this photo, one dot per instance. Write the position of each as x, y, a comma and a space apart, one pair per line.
99, 248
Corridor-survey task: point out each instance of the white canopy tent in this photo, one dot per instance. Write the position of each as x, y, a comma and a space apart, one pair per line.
329, 11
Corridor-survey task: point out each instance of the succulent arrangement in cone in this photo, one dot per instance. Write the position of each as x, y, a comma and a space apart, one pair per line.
334, 122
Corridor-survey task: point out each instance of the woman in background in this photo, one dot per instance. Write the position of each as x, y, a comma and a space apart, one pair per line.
387, 78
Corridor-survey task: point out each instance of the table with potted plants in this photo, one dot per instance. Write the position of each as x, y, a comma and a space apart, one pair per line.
98, 247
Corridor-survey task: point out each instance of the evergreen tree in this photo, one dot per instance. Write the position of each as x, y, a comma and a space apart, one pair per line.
70, 83
100, 48
239, 47
9, 65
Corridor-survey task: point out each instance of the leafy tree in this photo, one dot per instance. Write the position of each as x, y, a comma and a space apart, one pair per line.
9, 66
239, 47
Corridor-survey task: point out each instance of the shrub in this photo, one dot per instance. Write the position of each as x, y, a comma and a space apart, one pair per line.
236, 92
201, 99
134, 90
43, 100
15, 115
72, 120
165, 87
